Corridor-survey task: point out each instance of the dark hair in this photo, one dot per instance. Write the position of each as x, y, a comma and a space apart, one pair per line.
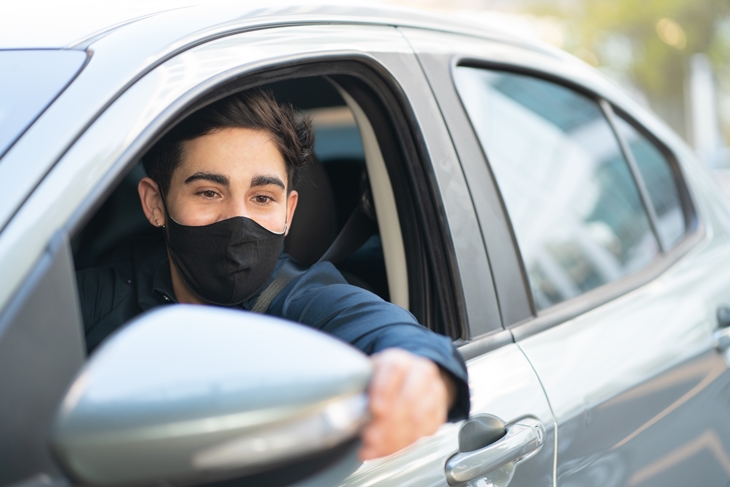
253, 109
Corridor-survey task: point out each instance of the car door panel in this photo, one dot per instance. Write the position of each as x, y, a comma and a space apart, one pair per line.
639, 395
658, 414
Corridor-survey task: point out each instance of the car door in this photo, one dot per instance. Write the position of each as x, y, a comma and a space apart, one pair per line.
612, 284
35, 242
504, 388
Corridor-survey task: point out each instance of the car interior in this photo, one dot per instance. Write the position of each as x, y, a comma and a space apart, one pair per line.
347, 204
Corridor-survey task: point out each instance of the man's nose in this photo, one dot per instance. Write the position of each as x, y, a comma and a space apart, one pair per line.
235, 208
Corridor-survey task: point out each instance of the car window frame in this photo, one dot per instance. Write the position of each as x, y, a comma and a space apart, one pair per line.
535, 320
406, 134
41, 340
689, 211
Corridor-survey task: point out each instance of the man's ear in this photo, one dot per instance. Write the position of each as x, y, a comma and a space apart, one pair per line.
151, 199
291, 205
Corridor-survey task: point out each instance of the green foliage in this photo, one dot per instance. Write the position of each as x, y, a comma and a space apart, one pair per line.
631, 36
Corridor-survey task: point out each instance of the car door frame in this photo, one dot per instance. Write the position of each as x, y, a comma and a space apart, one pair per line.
88, 171
517, 308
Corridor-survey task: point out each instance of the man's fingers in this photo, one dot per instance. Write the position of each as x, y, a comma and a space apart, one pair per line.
408, 400
383, 438
390, 429
425, 415
389, 373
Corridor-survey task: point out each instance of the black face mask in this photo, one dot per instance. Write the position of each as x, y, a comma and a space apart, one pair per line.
226, 262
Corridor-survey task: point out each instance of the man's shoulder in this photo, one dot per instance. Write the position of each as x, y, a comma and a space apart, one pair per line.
109, 290
130, 255
321, 292
324, 277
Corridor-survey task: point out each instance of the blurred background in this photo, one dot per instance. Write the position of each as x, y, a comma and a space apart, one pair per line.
670, 55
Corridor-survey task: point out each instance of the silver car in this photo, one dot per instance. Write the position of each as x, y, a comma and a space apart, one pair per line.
562, 236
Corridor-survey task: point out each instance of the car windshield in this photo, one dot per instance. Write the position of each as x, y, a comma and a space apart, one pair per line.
29, 81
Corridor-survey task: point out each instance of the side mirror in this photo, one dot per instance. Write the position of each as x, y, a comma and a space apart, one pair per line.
190, 394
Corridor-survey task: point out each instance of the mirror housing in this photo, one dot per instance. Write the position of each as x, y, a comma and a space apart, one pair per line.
190, 393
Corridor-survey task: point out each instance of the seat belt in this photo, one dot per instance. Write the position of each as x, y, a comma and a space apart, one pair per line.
359, 227
287, 273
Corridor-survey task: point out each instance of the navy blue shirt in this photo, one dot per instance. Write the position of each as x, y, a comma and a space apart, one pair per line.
138, 279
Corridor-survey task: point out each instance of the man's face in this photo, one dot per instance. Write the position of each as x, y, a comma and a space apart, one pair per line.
231, 172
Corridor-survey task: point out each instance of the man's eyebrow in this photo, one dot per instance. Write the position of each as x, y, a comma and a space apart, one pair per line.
208, 176
266, 180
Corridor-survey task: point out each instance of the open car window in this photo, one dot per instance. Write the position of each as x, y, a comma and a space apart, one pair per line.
348, 167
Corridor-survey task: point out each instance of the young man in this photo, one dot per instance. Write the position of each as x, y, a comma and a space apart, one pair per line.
220, 190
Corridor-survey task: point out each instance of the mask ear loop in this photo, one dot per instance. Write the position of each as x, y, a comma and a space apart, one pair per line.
286, 222
165, 229
164, 207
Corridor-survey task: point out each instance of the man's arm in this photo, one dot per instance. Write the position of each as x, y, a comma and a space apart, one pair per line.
419, 379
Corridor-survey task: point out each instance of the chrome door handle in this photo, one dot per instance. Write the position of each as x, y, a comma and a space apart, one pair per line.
522, 439
721, 337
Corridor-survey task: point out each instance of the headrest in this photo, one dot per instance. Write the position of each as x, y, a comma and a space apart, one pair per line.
314, 226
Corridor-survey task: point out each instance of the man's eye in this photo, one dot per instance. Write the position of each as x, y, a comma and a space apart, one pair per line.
208, 193
263, 199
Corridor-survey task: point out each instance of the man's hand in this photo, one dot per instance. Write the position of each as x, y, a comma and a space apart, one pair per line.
409, 398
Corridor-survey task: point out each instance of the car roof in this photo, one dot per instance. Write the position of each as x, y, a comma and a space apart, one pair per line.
48, 24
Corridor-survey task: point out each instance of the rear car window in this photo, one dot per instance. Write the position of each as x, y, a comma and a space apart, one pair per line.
659, 181
573, 204
29, 81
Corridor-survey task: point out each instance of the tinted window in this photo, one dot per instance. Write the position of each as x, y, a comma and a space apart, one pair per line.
29, 82
659, 182
569, 192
